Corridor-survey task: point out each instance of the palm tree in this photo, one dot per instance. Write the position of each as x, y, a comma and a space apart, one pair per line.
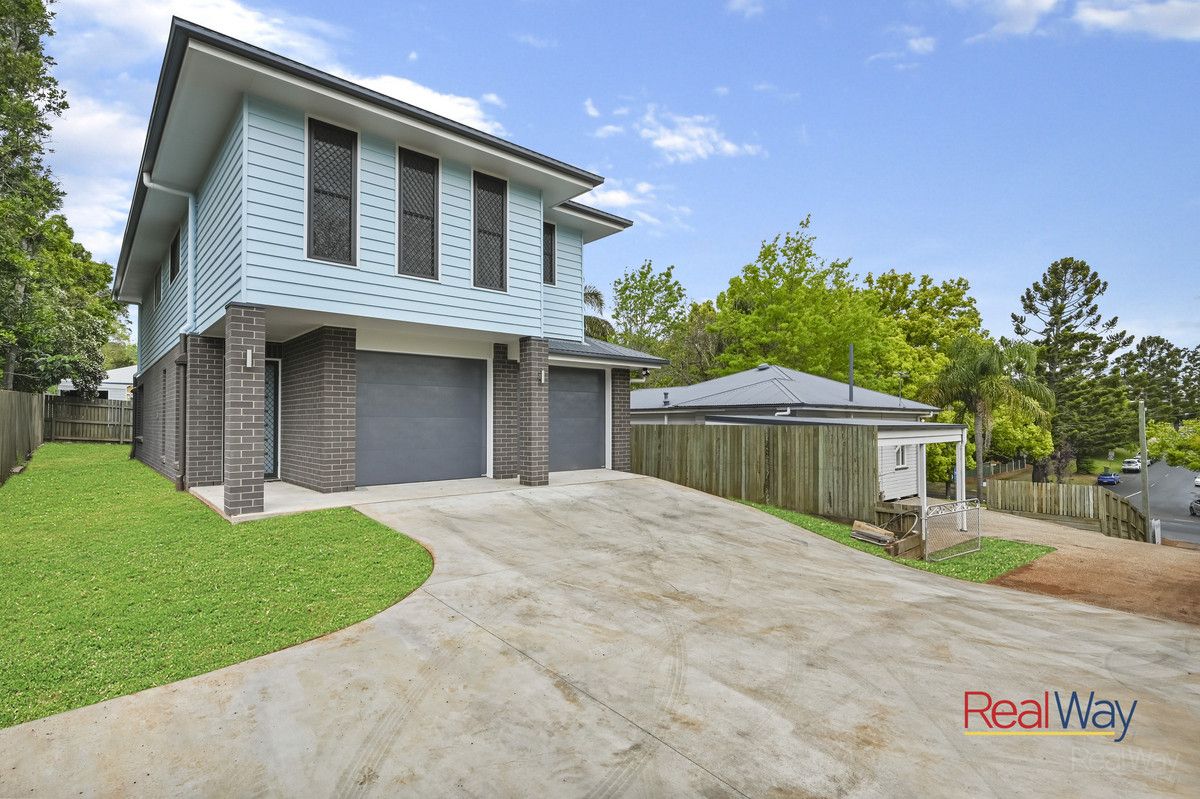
594, 325
984, 375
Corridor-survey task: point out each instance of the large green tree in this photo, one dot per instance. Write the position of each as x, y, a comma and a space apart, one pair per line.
1155, 370
928, 313
1061, 317
790, 307
54, 311
982, 376
1177, 446
649, 308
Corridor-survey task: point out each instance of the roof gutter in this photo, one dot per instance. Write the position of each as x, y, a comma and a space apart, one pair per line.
190, 322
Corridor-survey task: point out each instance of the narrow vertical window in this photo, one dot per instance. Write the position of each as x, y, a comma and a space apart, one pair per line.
548, 241
491, 269
175, 257
901, 458
418, 215
331, 211
157, 286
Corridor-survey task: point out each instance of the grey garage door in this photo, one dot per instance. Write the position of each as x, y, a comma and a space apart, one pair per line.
576, 418
420, 418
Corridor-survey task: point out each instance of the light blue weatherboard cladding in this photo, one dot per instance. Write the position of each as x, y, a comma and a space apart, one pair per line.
158, 329
563, 304
279, 273
218, 230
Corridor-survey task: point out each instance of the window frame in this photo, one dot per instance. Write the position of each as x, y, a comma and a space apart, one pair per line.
901, 458
553, 230
355, 192
437, 215
475, 173
157, 293
174, 257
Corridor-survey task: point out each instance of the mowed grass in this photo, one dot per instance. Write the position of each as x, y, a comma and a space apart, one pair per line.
113, 581
996, 556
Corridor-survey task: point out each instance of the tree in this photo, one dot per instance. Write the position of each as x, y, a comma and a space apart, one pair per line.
1178, 447
1061, 317
594, 324
693, 350
939, 458
119, 351
1154, 370
649, 307
1018, 434
983, 376
929, 314
792, 308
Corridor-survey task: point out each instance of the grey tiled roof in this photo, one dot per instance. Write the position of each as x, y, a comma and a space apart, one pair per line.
767, 385
602, 350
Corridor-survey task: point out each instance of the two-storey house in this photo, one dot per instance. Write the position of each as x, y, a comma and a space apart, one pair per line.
339, 289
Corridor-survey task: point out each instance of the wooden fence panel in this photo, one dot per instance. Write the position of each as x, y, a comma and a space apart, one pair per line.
817, 470
1096, 506
20, 428
100, 420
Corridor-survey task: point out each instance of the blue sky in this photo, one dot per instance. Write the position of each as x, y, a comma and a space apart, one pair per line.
982, 138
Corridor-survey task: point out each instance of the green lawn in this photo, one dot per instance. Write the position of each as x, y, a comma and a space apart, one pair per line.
995, 557
113, 581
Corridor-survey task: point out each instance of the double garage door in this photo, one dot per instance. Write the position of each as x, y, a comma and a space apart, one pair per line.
423, 417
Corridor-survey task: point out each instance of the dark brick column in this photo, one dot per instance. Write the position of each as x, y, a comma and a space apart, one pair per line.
205, 410
506, 400
620, 420
245, 329
533, 462
317, 414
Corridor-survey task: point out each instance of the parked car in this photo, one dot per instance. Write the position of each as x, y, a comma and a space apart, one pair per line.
1108, 479
1196, 482
1131, 465
1194, 508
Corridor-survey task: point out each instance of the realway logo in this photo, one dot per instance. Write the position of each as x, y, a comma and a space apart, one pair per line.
1073, 714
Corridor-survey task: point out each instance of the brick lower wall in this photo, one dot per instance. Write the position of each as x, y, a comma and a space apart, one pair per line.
620, 420
317, 423
506, 397
159, 389
245, 329
534, 412
205, 418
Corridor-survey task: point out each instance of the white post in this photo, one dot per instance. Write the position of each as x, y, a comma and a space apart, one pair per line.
922, 490
960, 475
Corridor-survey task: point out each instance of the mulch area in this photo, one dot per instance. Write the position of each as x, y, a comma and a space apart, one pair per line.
1159, 581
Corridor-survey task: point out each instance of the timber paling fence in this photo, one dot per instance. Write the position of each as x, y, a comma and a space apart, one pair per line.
826, 471
20, 428
1094, 506
100, 420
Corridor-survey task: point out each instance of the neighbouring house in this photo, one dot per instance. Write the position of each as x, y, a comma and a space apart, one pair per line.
116, 385
339, 289
770, 394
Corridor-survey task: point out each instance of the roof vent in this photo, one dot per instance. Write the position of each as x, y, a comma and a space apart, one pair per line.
666, 398
762, 367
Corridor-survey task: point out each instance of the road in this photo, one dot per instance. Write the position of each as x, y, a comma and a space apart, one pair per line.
1171, 491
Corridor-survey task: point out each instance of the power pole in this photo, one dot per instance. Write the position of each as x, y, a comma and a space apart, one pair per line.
1145, 470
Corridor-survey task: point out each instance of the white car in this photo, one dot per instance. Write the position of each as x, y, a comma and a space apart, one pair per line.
1131, 465
1196, 482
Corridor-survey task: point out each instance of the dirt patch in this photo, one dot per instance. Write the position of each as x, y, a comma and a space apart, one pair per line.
1158, 581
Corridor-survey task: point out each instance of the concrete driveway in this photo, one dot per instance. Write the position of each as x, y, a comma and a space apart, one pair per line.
635, 638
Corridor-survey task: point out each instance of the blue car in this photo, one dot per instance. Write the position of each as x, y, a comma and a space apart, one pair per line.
1108, 479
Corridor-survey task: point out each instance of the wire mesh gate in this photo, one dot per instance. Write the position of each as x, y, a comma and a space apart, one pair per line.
951, 529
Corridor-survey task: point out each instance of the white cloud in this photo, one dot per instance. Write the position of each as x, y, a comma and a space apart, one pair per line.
1171, 19
93, 133
922, 45
747, 8
412, 55
649, 219
682, 139
620, 112
590, 109
721, 91
605, 131
644, 188
466, 110
763, 86
535, 41
96, 209
613, 195
1013, 17
491, 98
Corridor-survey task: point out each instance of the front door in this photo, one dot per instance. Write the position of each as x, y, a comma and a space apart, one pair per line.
271, 420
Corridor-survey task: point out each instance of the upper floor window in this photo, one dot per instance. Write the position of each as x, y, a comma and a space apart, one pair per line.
175, 257
418, 215
901, 458
491, 268
548, 238
331, 187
